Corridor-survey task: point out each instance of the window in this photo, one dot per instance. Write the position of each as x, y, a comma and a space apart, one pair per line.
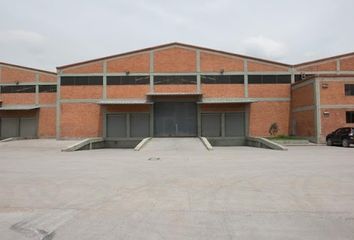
18, 89
127, 80
222, 79
349, 89
81, 80
269, 79
183, 79
47, 88
350, 117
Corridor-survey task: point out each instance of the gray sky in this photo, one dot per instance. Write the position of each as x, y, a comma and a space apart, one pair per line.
48, 33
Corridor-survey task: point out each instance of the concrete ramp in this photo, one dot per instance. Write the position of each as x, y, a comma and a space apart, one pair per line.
174, 144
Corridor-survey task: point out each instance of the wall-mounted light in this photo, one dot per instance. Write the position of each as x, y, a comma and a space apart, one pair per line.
127, 73
326, 114
17, 82
221, 71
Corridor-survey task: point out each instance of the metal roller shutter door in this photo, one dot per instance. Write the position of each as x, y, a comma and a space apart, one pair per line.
211, 124
28, 127
139, 124
116, 125
10, 127
235, 124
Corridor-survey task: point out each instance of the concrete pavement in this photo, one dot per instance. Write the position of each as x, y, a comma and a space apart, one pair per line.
185, 193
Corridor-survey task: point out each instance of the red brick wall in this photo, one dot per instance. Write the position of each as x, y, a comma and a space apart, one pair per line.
215, 63
47, 122
136, 63
336, 119
269, 90
80, 92
302, 96
47, 78
81, 120
335, 94
127, 91
175, 59
263, 114
264, 67
174, 88
18, 98
223, 90
347, 64
47, 98
12, 75
321, 66
95, 67
305, 123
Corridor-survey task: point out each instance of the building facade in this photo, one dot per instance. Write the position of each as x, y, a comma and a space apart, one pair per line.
182, 90
27, 102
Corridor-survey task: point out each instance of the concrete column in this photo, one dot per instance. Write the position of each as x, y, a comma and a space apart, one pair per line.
247, 119
199, 121
338, 66
128, 124
58, 115
37, 89
317, 110
198, 71
292, 70
104, 87
152, 89
245, 69
151, 120
223, 124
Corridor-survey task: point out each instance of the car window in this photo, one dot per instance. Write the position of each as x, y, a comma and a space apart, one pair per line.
338, 131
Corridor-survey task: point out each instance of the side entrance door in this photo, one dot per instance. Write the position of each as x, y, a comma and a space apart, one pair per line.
175, 119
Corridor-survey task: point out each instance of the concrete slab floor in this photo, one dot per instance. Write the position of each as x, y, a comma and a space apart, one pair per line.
228, 193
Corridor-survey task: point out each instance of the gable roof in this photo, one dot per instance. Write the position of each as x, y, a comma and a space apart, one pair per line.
171, 45
27, 68
324, 59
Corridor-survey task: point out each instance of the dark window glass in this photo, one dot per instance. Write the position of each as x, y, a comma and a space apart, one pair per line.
81, 80
269, 79
222, 79
47, 88
18, 89
350, 117
349, 89
127, 80
183, 79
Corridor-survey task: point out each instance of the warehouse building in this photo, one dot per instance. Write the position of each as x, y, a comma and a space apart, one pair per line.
179, 90
27, 102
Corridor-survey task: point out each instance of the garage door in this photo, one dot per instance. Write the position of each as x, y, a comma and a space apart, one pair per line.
123, 125
18, 127
235, 124
175, 119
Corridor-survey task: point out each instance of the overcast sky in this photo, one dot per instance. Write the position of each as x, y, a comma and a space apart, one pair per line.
48, 33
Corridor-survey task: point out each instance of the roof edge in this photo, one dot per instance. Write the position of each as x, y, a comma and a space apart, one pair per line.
168, 45
27, 68
324, 59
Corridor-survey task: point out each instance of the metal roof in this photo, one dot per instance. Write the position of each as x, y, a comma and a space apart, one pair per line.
19, 107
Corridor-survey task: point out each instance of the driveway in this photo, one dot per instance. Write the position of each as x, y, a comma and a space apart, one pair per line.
175, 192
